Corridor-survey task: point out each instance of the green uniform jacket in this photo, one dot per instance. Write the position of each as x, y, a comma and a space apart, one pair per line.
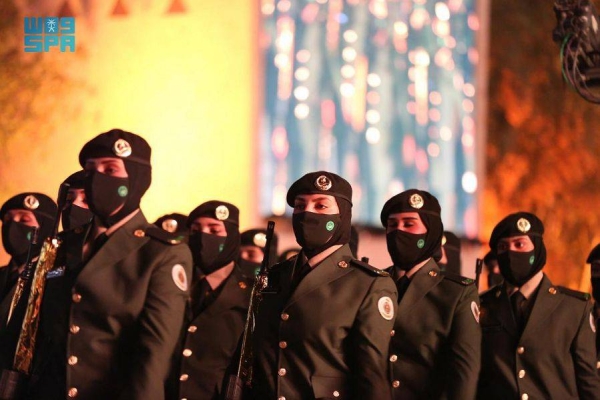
555, 358
435, 352
109, 327
209, 341
329, 338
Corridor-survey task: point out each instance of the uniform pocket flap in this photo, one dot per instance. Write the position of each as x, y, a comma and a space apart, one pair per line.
329, 387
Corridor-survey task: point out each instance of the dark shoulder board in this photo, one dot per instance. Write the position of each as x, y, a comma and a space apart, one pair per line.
458, 279
369, 268
574, 293
161, 235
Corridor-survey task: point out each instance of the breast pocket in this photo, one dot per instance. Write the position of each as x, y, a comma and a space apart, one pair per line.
329, 387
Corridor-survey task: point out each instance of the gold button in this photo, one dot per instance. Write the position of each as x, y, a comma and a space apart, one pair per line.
396, 384
343, 264
432, 273
392, 333
520, 350
524, 396
522, 374
552, 290
285, 316
498, 293
192, 328
242, 285
336, 393
184, 377
76, 297
281, 372
393, 358
281, 398
72, 393
187, 352
74, 329
598, 365
72, 360
282, 345
139, 233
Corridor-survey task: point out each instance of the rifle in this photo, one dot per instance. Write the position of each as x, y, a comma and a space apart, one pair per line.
13, 382
25, 275
478, 268
237, 384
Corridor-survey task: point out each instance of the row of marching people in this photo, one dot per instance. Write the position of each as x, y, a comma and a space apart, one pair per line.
129, 309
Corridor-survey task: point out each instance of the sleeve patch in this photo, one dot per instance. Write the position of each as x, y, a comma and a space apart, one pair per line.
386, 308
179, 277
475, 311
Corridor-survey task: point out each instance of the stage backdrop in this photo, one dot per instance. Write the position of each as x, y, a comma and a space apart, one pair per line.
382, 92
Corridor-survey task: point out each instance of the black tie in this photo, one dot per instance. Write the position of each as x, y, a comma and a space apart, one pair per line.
517, 301
402, 285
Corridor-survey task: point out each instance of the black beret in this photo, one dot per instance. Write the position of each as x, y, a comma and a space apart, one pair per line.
220, 210
451, 241
76, 180
117, 143
256, 237
517, 224
41, 205
320, 182
172, 223
594, 255
412, 200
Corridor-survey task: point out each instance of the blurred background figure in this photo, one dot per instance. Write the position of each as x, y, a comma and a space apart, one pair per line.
288, 253
252, 251
174, 223
450, 261
76, 212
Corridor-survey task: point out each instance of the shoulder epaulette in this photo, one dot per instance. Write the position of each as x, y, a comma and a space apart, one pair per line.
458, 279
574, 293
369, 268
161, 235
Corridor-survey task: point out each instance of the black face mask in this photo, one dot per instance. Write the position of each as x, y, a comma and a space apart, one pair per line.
105, 193
249, 268
517, 267
74, 216
314, 231
16, 238
207, 251
406, 249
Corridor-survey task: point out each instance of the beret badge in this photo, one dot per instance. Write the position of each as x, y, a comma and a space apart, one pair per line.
523, 225
222, 212
416, 201
122, 148
323, 183
31, 202
169, 225
260, 240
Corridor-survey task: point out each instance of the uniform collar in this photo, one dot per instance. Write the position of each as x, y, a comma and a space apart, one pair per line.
528, 288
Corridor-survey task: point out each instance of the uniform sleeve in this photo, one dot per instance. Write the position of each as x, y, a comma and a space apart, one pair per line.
160, 323
583, 351
465, 348
372, 327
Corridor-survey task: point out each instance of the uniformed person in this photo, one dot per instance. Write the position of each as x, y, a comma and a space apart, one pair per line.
217, 310
252, 251
289, 253
323, 325
20, 215
450, 260
435, 351
173, 223
494, 277
76, 212
538, 338
114, 302
594, 261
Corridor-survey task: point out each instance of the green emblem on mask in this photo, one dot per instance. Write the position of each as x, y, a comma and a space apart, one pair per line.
329, 226
221, 246
122, 190
531, 260
420, 243
29, 234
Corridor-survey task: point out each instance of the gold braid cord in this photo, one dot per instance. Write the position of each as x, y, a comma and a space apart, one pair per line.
26, 343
